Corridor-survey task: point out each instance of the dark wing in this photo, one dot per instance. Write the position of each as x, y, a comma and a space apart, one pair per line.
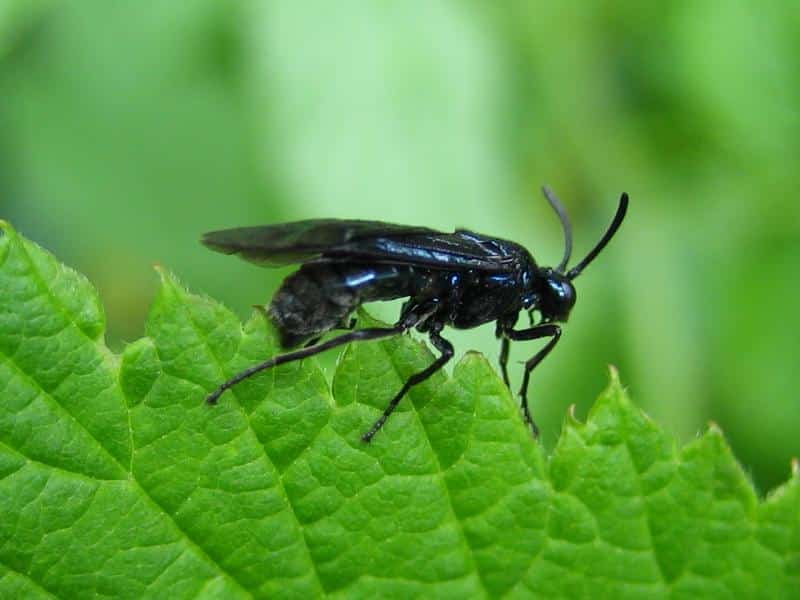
373, 241
300, 241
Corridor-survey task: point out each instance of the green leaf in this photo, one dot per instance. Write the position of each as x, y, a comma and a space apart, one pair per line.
117, 479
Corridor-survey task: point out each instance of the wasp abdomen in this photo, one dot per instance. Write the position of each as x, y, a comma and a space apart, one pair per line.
319, 297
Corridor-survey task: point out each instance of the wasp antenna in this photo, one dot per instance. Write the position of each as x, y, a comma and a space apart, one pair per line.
562, 216
612, 229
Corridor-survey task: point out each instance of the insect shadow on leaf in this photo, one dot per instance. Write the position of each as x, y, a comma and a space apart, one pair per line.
461, 279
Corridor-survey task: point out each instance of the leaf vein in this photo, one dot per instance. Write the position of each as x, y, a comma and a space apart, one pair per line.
58, 406
39, 585
246, 415
440, 475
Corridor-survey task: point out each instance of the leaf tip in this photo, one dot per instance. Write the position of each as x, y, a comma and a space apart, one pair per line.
572, 418
615, 392
712, 440
170, 289
6, 229
615, 387
473, 363
162, 272
168, 280
473, 357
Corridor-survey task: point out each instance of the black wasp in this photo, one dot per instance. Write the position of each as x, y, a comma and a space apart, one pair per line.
461, 279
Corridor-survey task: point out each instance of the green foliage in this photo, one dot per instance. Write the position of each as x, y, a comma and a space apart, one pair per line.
117, 479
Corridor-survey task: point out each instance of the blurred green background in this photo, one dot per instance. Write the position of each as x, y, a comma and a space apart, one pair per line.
128, 128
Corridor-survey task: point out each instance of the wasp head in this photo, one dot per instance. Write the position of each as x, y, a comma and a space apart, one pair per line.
556, 297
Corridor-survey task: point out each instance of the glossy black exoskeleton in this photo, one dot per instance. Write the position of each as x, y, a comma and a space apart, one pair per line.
461, 279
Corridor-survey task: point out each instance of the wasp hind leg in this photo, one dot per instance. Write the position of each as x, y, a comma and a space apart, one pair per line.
443, 346
343, 325
361, 335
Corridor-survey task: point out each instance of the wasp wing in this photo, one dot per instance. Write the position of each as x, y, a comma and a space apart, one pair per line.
355, 240
300, 241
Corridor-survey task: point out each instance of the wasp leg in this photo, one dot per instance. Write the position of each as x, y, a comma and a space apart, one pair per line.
443, 346
503, 325
534, 333
355, 336
345, 324
503, 360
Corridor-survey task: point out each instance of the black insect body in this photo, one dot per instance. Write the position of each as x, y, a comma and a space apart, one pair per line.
461, 279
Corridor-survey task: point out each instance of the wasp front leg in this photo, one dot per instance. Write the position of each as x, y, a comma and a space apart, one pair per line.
534, 333
503, 325
503, 360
